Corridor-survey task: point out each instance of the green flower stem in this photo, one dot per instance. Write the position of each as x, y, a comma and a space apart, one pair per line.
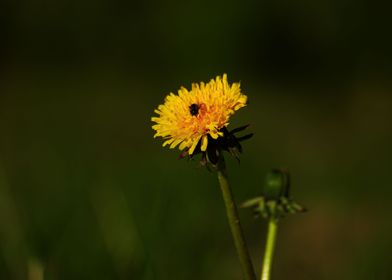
234, 221
269, 248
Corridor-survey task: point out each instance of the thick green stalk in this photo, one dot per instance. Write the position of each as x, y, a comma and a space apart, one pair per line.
269, 248
234, 221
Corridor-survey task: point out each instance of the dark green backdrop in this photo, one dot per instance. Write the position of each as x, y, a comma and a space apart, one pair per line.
87, 193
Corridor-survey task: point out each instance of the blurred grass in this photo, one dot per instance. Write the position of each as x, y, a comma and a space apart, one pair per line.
87, 193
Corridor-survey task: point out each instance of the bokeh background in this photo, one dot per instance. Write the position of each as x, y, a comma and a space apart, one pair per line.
87, 193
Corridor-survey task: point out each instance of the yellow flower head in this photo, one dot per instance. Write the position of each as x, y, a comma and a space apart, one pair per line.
191, 116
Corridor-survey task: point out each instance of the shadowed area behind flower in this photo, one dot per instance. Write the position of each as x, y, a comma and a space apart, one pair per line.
87, 193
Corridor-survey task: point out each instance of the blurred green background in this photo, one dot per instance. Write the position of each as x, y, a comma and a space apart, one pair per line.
87, 193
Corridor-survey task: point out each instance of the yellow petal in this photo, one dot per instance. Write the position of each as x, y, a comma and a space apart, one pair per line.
167, 142
214, 134
183, 145
204, 143
175, 143
194, 144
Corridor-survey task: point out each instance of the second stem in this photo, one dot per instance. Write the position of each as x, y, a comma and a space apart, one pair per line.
269, 249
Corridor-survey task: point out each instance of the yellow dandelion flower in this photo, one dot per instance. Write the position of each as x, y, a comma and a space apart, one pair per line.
192, 116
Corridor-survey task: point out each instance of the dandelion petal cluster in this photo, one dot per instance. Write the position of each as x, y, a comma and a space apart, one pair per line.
188, 118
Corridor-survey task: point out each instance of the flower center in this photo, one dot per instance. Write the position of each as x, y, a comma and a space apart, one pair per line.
194, 109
